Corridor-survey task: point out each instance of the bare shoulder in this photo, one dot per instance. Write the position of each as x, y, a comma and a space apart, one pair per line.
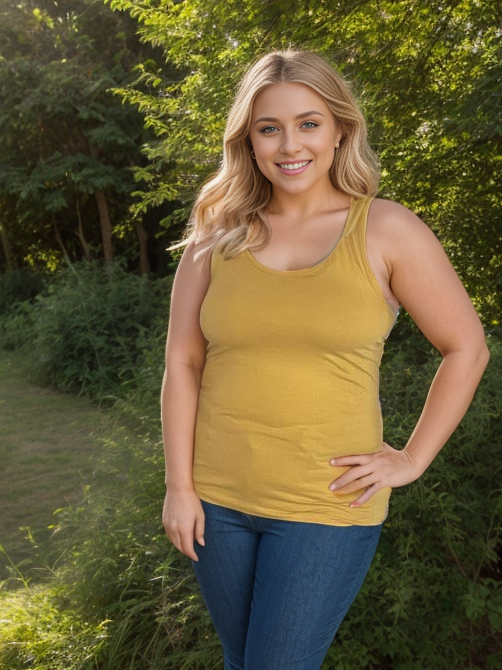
400, 234
422, 276
391, 211
192, 278
393, 220
193, 266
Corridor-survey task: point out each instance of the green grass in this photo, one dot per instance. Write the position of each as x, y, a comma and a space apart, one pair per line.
46, 443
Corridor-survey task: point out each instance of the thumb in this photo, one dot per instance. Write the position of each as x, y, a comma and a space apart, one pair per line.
199, 531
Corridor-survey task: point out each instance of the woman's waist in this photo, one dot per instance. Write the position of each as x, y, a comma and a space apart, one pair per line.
270, 480
294, 451
311, 414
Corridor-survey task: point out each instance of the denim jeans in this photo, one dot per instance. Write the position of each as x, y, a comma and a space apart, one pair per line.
277, 590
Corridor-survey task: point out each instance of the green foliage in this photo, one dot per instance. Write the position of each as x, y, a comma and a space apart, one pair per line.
36, 632
66, 139
123, 597
427, 75
92, 326
17, 286
18, 290
17, 327
139, 400
121, 566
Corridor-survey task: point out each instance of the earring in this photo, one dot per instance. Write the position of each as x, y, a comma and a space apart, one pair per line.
253, 154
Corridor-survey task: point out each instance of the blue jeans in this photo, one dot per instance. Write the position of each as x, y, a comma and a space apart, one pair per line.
276, 590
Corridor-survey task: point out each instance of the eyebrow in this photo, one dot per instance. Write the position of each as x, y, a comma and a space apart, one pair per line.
300, 116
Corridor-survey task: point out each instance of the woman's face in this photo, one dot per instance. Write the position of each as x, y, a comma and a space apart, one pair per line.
292, 125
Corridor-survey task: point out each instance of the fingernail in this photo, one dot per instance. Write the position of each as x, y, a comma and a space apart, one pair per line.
332, 487
332, 461
201, 541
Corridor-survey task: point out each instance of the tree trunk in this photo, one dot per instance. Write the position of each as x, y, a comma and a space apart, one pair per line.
144, 261
106, 226
10, 262
59, 240
81, 236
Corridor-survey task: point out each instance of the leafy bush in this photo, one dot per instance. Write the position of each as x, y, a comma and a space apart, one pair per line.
17, 286
17, 327
18, 290
36, 632
140, 398
93, 325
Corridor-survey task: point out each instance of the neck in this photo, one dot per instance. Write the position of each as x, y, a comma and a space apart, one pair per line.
322, 197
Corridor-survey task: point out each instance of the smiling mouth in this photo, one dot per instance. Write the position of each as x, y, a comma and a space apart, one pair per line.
293, 166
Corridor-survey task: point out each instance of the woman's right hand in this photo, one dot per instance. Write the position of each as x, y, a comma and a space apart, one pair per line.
183, 520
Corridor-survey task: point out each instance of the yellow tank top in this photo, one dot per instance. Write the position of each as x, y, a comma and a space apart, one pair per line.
291, 379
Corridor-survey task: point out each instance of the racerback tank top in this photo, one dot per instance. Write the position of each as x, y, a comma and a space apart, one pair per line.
291, 379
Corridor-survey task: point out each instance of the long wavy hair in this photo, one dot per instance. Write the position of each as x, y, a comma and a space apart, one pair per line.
229, 212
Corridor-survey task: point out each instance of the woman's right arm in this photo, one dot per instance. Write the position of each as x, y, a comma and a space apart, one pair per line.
183, 516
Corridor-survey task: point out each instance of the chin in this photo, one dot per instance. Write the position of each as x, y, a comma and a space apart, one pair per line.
294, 189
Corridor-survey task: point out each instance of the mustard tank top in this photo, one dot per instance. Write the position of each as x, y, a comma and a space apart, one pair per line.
291, 379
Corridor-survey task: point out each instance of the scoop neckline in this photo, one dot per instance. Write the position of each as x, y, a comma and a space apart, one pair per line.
317, 267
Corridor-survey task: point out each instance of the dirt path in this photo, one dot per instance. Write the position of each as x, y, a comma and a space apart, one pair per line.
46, 441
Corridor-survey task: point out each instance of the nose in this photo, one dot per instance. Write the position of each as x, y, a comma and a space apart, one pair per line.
290, 143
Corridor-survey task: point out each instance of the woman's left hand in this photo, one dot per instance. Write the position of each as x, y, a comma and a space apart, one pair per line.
389, 467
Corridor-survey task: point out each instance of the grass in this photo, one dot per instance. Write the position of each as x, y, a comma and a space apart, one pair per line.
46, 443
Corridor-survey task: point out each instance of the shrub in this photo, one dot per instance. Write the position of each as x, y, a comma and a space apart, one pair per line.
18, 290
18, 286
93, 325
36, 632
17, 327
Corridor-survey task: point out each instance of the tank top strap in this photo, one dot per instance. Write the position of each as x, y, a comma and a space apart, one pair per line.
355, 235
216, 260
356, 226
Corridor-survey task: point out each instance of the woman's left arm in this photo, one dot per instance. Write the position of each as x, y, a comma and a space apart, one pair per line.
427, 286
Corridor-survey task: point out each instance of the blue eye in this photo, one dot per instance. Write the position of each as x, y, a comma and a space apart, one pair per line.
267, 128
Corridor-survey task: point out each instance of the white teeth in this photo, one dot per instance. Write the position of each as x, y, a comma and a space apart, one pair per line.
294, 166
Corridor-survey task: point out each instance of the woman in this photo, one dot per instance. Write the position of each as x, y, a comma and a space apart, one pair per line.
289, 285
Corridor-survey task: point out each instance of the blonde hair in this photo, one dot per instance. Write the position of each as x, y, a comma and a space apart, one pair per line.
229, 212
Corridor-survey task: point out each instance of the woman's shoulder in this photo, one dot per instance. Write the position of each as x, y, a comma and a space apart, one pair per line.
395, 222
399, 233
391, 211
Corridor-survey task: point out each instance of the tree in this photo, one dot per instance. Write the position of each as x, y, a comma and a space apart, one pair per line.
69, 143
